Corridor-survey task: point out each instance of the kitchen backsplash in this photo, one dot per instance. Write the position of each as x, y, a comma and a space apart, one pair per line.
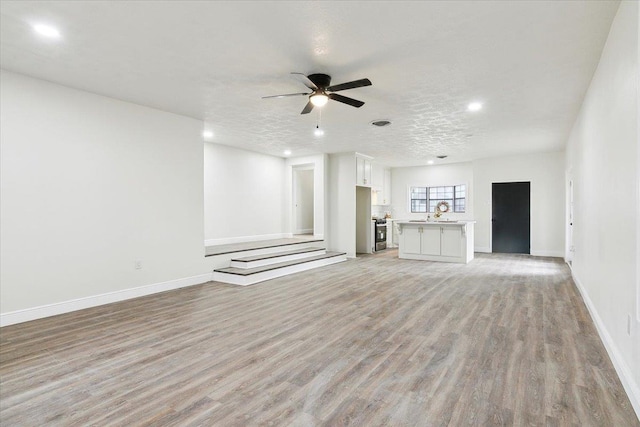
381, 211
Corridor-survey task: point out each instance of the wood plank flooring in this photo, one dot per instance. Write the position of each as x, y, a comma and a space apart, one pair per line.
376, 341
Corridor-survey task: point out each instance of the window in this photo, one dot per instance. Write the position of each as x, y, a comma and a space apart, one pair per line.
425, 199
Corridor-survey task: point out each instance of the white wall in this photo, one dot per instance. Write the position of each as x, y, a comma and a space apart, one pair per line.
436, 175
243, 195
90, 185
602, 159
545, 171
342, 203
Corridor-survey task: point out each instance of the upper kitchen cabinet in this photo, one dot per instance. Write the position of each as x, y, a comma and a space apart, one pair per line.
377, 176
381, 185
386, 187
363, 170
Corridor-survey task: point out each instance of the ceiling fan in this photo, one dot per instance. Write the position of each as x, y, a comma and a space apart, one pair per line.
321, 91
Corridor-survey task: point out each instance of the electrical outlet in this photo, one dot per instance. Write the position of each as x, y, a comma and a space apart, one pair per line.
138, 264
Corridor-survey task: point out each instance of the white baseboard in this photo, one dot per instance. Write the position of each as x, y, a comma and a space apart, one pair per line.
242, 239
556, 254
621, 367
487, 250
43, 311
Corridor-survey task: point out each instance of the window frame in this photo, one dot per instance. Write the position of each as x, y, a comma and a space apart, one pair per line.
428, 201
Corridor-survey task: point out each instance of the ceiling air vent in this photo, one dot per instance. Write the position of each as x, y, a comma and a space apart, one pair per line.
381, 123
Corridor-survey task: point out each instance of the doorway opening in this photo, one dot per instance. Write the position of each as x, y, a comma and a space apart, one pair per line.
511, 217
365, 227
303, 195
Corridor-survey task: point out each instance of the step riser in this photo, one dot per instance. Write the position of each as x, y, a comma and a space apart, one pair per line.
263, 262
220, 261
235, 279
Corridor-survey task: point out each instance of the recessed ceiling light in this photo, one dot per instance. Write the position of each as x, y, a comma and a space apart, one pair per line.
430, 162
47, 31
318, 131
474, 106
287, 152
207, 134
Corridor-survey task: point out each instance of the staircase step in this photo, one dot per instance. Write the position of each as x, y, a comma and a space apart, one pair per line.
276, 257
231, 248
249, 276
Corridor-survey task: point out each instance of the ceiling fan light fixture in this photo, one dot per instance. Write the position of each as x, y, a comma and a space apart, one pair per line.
319, 99
322, 91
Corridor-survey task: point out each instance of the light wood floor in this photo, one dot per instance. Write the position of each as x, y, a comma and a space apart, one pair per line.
376, 341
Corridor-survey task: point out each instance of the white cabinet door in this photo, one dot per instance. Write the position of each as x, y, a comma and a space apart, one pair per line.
447, 243
386, 188
376, 197
363, 171
411, 240
367, 172
451, 241
377, 176
430, 241
395, 236
380, 184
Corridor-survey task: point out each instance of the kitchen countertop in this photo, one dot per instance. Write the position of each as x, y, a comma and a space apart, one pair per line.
440, 222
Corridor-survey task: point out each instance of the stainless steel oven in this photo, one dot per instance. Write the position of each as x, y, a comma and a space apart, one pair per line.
381, 234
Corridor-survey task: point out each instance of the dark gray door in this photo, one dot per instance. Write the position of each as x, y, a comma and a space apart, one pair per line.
511, 217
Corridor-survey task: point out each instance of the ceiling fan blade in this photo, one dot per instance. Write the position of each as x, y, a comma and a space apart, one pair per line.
305, 80
285, 95
350, 85
307, 109
346, 100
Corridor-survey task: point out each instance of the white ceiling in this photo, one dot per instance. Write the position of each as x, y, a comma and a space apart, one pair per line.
529, 62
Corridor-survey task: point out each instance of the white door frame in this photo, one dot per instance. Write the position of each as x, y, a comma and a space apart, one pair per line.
569, 246
294, 202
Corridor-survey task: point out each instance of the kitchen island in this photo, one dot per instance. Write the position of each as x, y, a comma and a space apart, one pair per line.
447, 241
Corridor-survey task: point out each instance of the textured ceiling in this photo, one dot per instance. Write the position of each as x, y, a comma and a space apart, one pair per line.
529, 62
